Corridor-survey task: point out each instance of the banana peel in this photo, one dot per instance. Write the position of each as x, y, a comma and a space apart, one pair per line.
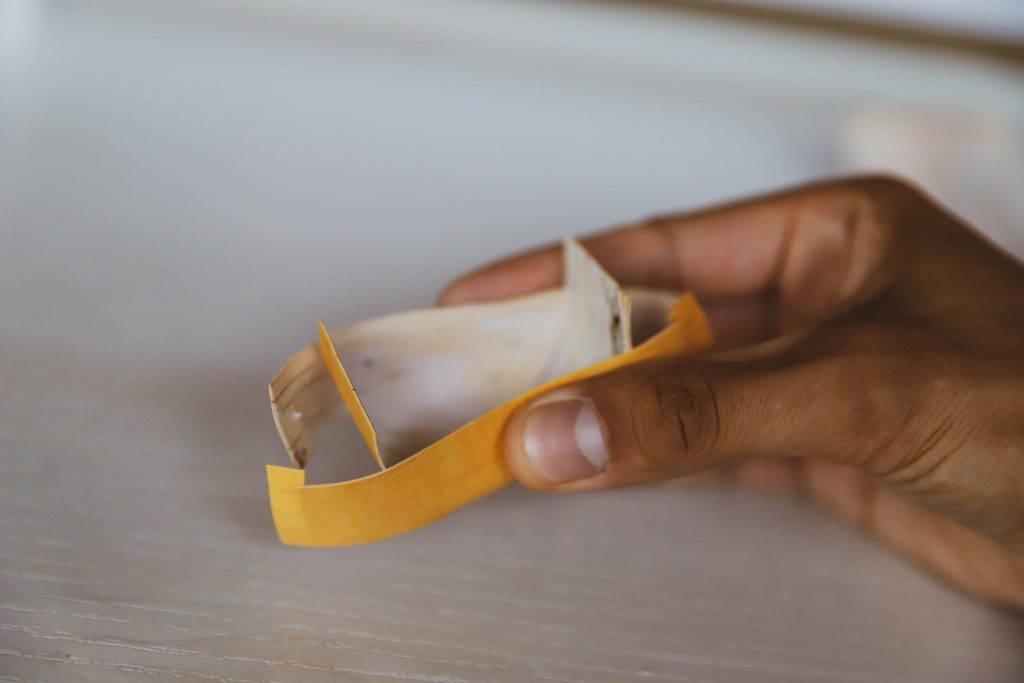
441, 386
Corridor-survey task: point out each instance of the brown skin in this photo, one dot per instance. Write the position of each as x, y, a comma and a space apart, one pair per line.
871, 354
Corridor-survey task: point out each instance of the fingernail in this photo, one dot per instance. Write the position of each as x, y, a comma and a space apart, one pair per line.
564, 440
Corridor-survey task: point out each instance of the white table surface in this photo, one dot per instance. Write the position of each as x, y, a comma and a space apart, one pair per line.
185, 188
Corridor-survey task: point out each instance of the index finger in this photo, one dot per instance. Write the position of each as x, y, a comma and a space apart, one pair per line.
774, 245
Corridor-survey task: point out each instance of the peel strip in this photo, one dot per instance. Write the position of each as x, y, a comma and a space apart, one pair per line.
454, 471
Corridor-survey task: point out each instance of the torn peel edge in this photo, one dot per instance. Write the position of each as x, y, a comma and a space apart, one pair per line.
302, 396
297, 449
336, 370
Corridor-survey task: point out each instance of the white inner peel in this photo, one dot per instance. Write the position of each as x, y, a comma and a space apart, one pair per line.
423, 374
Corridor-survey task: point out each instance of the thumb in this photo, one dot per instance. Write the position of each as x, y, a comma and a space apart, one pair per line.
670, 418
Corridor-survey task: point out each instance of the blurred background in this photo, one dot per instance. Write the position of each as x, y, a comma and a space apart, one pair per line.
167, 129
186, 186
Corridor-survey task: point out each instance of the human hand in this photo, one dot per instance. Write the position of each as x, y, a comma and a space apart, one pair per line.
870, 353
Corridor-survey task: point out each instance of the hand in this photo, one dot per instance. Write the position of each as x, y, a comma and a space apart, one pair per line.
871, 353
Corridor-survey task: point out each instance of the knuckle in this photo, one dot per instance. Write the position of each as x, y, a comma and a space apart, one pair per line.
885, 188
684, 423
892, 205
882, 400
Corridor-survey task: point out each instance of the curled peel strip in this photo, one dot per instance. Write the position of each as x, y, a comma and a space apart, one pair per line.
442, 385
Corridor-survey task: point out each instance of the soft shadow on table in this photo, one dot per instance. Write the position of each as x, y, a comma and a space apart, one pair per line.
229, 414
229, 439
